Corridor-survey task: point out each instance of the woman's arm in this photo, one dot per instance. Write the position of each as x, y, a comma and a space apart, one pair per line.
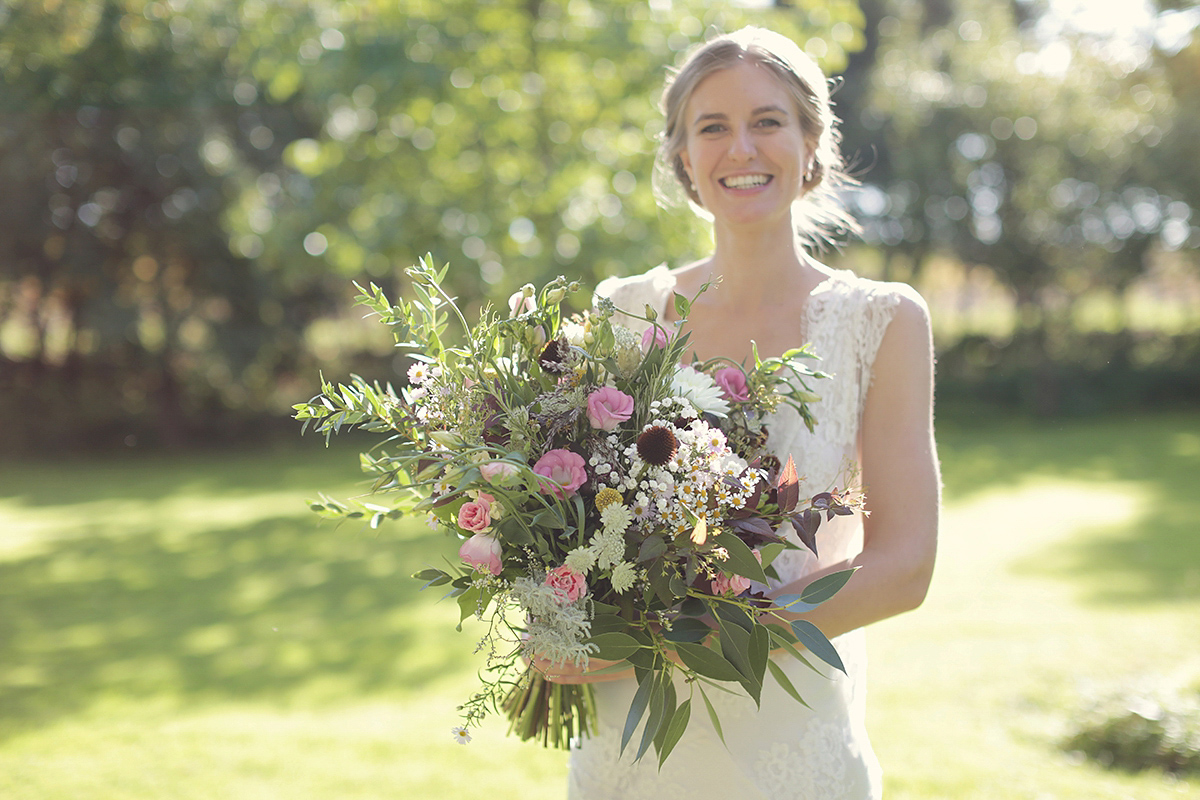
901, 480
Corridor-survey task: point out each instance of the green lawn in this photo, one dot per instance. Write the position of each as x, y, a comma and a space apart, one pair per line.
182, 627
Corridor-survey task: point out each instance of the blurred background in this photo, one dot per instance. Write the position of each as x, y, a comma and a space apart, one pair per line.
188, 189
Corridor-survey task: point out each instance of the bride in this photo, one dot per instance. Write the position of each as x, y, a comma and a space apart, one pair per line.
752, 142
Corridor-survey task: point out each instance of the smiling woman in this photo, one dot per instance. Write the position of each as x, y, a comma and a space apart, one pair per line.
752, 143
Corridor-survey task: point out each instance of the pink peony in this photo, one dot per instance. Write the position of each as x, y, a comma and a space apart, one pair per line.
475, 516
608, 408
482, 551
563, 468
654, 336
733, 384
498, 472
567, 584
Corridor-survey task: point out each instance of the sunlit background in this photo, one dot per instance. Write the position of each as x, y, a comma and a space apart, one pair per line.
188, 189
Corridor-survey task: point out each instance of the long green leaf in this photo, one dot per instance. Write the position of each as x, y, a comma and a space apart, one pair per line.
783, 680
637, 708
657, 711
685, 629
705, 661
811, 637
826, 586
676, 727
741, 557
712, 714
614, 645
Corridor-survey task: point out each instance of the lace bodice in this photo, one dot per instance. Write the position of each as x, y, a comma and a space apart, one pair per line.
844, 319
779, 750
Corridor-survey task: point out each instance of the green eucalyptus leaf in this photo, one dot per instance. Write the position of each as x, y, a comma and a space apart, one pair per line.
687, 629
811, 637
782, 679
704, 661
826, 586
674, 730
614, 645
741, 557
637, 708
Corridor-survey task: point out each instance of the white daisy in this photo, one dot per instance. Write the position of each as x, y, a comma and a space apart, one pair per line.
460, 735
700, 389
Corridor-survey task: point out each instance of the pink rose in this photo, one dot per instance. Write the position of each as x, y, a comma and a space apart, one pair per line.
733, 384
564, 470
482, 552
736, 584
567, 584
498, 472
654, 336
608, 408
475, 516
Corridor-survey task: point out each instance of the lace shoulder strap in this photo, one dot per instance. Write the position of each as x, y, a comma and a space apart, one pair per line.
635, 292
847, 318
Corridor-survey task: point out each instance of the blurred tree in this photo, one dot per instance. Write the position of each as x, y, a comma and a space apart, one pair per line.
190, 186
122, 143
1013, 146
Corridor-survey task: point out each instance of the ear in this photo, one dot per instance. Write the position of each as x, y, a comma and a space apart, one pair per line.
686, 160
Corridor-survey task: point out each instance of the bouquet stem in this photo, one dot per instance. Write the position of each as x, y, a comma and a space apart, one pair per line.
554, 713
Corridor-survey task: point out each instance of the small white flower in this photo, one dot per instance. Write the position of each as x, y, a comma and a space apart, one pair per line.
418, 373
460, 735
609, 547
623, 577
616, 518
580, 560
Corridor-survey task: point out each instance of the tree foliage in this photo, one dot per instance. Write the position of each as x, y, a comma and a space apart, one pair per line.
191, 185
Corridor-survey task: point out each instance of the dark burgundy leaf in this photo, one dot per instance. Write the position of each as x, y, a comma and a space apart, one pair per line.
788, 487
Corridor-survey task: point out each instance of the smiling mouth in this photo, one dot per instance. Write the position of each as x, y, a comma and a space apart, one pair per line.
745, 181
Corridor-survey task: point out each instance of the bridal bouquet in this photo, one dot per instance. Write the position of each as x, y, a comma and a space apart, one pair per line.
605, 501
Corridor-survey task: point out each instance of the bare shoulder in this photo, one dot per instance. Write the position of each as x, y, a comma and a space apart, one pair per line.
908, 340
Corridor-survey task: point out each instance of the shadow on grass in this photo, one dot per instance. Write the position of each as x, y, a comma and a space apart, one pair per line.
1155, 558
272, 610
303, 465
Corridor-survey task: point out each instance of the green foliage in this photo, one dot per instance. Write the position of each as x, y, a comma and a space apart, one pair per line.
1138, 730
188, 186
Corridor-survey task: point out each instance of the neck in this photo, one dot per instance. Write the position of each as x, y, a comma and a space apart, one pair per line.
758, 263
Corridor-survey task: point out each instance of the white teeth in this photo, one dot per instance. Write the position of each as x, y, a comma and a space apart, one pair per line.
745, 181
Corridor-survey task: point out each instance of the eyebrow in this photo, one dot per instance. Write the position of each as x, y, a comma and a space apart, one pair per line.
754, 113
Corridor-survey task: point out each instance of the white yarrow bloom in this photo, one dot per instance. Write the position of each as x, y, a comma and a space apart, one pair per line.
623, 577
580, 560
700, 389
609, 547
616, 518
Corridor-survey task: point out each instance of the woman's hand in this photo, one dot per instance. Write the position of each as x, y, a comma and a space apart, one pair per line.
570, 673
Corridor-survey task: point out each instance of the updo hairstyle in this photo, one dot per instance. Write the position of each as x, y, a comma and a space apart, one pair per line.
818, 212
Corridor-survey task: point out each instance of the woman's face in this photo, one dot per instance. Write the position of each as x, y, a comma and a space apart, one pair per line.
745, 150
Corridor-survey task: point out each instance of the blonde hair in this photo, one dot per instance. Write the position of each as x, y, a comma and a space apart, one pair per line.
818, 212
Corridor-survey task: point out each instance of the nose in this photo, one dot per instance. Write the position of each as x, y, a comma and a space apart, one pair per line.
742, 146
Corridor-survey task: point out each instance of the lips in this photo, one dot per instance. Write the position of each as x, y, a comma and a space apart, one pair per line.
749, 181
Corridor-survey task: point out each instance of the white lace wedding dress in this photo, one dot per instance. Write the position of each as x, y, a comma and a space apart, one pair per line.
781, 751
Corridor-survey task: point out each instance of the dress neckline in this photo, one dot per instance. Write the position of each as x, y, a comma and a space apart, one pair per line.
663, 281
